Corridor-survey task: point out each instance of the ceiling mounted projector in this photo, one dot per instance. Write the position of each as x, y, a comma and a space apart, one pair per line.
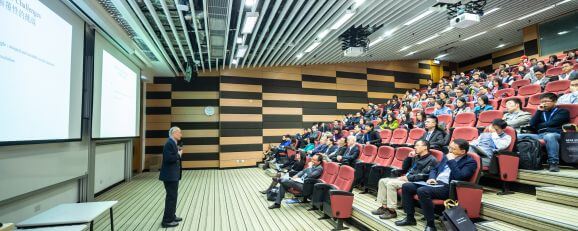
354, 51
464, 20
448, 1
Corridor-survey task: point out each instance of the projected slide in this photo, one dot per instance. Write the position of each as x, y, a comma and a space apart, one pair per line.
118, 98
35, 72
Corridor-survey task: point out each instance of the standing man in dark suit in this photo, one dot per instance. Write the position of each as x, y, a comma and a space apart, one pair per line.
170, 175
456, 165
313, 172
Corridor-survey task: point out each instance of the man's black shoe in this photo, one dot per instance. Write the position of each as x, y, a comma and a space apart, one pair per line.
429, 228
406, 222
554, 168
170, 224
178, 219
275, 206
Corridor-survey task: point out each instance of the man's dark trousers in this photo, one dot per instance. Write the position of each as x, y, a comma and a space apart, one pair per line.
171, 188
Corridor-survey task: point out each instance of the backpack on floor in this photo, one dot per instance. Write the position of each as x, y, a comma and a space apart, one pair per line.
272, 194
529, 153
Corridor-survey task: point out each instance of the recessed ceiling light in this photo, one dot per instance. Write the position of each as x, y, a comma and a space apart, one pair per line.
250, 2
535, 13
404, 48
312, 46
441, 56
379, 39
476, 35
491, 11
503, 24
241, 51
501, 45
250, 21
240, 40
348, 14
563, 32
390, 32
235, 62
298, 56
417, 18
411, 53
322, 34
447, 29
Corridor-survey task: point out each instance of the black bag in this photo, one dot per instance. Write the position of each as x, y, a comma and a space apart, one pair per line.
529, 153
455, 218
569, 147
272, 194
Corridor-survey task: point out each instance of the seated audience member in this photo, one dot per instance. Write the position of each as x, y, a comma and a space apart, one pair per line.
371, 136
567, 71
296, 166
322, 147
332, 148
274, 151
405, 120
417, 167
357, 133
389, 123
506, 78
456, 165
548, 122
444, 97
420, 119
484, 92
415, 103
422, 98
313, 172
483, 105
514, 116
434, 134
336, 134
431, 102
449, 91
522, 70
570, 55
441, 108
540, 78
309, 146
459, 94
314, 135
340, 148
375, 112
572, 97
461, 106
336, 125
553, 60
349, 154
493, 140
539, 65
395, 104
497, 85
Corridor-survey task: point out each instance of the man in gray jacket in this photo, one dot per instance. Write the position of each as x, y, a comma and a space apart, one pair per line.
314, 171
514, 116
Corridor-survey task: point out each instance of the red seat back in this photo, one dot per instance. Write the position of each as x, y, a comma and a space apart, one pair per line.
531, 110
466, 133
519, 83
465, 119
503, 93
573, 109
423, 104
400, 154
384, 155
429, 110
437, 154
503, 103
555, 71
369, 153
512, 133
330, 171
557, 87
487, 117
344, 179
471, 105
414, 135
534, 101
451, 106
445, 119
385, 135
399, 136
530, 89
345, 133
495, 103
475, 177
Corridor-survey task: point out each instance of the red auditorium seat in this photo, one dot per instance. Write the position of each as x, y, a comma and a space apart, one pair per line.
508, 162
447, 120
520, 83
398, 137
495, 103
416, 110
471, 105
466, 119
573, 109
367, 153
529, 90
534, 101
466, 133
385, 135
468, 193
400, 154
554, 71
487, 117
330, 170
557, 87
338, 203
429, 110
437, 154
384, 158
345, 133
575, 66
503, 102
532, 110
423, 104
503, 93
375, 123
451, 106
414, 135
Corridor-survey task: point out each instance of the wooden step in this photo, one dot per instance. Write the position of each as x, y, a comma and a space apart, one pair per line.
558, 194
363, 204
566, 177
527, 211
498, 226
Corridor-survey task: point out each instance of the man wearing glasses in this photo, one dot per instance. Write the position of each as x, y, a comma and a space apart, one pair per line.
572, 97
548, 122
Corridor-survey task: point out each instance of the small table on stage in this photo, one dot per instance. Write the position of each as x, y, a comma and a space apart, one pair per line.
58, 228
70, 214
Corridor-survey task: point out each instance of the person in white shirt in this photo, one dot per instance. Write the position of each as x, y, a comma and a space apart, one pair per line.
572, 97
495, 139
567, 70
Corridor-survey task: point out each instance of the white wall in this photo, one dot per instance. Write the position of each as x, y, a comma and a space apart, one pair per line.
109, 165
19, 210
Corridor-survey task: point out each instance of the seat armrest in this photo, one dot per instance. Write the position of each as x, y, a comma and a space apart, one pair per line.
335, 192
320, 186
312, 181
